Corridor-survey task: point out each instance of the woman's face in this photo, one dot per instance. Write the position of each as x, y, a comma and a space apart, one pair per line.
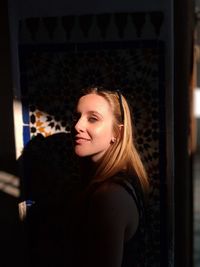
94, 127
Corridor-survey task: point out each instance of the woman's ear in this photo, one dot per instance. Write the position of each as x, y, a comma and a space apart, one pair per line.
121, 131
118, 134
113, 140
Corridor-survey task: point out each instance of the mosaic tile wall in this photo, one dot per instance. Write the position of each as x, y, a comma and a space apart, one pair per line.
52, 75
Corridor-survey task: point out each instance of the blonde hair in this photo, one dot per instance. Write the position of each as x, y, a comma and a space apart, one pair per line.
122, 154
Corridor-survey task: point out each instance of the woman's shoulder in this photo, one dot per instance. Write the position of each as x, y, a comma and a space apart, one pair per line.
113, 198
120, 185
108, 191
131, 183
111, 190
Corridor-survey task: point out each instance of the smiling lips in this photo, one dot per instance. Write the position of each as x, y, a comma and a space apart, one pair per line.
81, 140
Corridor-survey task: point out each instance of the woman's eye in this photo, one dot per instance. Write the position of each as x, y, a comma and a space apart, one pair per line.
92, 119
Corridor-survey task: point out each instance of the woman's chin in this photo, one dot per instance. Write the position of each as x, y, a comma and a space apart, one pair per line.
80, 153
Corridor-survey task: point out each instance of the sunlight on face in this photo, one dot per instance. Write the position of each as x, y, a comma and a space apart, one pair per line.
94, 127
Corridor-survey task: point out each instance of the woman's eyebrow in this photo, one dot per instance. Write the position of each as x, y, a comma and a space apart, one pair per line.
90, 112
94, 112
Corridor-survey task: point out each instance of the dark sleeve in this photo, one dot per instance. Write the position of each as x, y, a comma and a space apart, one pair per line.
108, 217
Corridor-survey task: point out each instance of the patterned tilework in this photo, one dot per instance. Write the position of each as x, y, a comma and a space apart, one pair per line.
42, 123
52, 75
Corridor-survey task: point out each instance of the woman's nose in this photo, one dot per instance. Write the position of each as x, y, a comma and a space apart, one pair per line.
80, 125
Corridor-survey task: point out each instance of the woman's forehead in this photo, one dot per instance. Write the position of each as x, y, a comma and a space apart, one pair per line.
93, 102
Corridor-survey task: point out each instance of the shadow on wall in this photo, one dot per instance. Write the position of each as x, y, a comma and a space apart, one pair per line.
46, 164
49, 182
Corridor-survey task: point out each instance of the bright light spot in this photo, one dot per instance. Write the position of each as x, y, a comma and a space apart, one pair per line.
197, 103
9, 184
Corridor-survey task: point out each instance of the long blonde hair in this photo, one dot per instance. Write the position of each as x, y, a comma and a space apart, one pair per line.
122, 154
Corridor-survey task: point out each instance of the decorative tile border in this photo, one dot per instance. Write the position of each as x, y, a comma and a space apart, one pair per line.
90, 27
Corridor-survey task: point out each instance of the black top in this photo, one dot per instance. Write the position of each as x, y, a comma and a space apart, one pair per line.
55, 233
134, 248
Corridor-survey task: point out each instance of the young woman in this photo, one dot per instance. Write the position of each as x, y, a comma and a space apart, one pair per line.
112, 220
